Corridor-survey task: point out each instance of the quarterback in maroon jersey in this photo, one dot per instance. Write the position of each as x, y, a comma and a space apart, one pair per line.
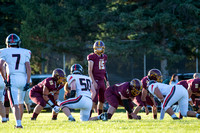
143, 99
123, 94
97, 72
46, 92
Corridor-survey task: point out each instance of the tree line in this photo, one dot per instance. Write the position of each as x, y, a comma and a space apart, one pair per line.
166, 28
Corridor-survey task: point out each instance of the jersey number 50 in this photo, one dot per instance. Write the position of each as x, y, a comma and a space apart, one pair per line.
86, 83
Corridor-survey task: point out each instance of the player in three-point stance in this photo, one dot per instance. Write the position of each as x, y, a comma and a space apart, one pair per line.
173, 94
46, 92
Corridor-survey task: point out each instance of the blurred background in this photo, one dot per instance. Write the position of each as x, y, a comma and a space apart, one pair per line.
139, 34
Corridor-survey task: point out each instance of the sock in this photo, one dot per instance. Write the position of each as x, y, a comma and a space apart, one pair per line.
99, 111
155, 116
7, 116
197, 115
90, 113
180, 116
109, 116
34, 115
173, 116
18, 123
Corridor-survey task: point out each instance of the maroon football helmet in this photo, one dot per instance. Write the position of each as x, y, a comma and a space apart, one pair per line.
59, 75
155, 74
136, 87
13, 40
99, 47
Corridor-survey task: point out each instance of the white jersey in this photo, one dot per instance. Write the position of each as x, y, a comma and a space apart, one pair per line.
83, 84
15, 59
164, 88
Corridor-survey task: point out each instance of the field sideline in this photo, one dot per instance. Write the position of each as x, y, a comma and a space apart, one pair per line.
118, 124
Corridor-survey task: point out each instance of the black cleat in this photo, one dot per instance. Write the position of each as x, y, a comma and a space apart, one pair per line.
176, 118
33, 119
71, 119
4, 121
18, 126
54, 119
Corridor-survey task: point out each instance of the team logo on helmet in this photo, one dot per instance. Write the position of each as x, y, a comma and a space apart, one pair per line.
155, 74
136, 87
99, 47
76, 69
13, 40
59, 75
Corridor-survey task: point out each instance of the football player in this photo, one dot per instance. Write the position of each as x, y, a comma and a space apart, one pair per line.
173, 94
97, 72
81, 95
46, 92
143, 99
19, 71
123, 94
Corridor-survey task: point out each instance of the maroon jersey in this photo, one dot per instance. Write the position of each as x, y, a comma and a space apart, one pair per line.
195, 85
122, 89
144, 81
99, 67
50, 83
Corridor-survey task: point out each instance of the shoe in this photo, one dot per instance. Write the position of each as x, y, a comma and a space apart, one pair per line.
18, 126
198, 117
3, 121
138, 117
103, 116
33, 118
53, 118
71, 119
176, 118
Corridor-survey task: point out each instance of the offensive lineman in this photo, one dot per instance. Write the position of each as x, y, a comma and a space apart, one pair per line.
173, 94
143, 99
81, 96
97, 72
46, 92
19, 71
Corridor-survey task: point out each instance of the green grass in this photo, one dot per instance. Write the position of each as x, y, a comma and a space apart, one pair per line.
118, 124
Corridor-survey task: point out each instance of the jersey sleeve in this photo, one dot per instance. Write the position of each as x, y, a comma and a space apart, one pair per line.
48, 82
90, 57
2, 54
28, 56
70, 78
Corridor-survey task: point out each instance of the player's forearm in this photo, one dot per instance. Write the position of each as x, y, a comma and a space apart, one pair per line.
28, 71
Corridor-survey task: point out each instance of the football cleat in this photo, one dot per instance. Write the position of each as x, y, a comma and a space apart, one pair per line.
33, 118
138, 117
53, 118
3, 121
18, 126
198, 117
176, 118
71, 119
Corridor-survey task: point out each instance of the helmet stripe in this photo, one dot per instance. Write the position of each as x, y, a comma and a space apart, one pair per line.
75, 67
12, 39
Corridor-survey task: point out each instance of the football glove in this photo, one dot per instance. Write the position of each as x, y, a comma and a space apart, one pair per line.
26, 87
56, 109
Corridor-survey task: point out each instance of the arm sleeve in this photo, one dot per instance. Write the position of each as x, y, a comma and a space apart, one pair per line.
126, 105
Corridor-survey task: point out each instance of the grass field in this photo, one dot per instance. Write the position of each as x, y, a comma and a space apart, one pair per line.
118, 124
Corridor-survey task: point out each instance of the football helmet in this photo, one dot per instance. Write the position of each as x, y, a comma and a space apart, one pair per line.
99, 47
76, 69
155, 74
136, 87
59, 75
13, 40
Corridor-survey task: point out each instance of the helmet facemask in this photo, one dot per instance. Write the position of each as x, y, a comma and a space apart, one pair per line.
99, 47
